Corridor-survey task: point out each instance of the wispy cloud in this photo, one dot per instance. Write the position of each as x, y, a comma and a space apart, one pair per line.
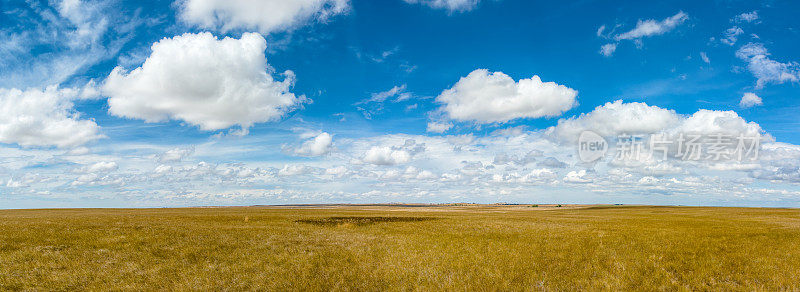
643, 29
449, 5
651, 27
765, 69
67, 37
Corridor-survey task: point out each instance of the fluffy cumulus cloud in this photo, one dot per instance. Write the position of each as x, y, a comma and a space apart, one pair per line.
750, 99
316, 146
449, 5
710, 122
386, 156
203, 81
489, 97
263, 16
643, 29
765, 69
511, 165
37, 117
215, 84
618, 118
579, 176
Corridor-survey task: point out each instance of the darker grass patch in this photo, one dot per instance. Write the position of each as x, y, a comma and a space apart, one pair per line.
605, 207
358, 220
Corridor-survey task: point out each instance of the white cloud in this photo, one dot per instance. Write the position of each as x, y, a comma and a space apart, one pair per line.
704, 56
398, 92
552, 162
507, 164
175, 154
265, 16
648, 180
375, 103
86, 18
99, 167
77, 151
438, 127
381, 96
708, 122
450, 5
644, 28
661, 168
746, 17
617, 118
44, 118
579, 176
26, 180
162, 169
765, 69
197, 78
386, 156
608, 49
751, 49
735, 166
514, 164
319, 145
295, 169
731, 35
486, 97
750, 99
542, 173
338, 171
651, 27
600, 30
54, 40
614, 118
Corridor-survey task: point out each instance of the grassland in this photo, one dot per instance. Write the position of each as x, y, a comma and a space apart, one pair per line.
401, 248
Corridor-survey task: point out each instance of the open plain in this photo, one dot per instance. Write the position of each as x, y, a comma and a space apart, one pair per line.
398, 247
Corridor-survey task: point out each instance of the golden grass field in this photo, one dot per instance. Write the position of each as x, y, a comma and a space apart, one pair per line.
401, 248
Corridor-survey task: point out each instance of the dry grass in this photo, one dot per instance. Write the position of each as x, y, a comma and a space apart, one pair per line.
394, 248
358, 220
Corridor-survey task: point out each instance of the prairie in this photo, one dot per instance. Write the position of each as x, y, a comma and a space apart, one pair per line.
388, 247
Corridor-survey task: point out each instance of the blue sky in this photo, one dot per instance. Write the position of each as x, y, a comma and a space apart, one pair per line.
204, 102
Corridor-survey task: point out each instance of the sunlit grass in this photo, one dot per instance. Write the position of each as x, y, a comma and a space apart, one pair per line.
377, 248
